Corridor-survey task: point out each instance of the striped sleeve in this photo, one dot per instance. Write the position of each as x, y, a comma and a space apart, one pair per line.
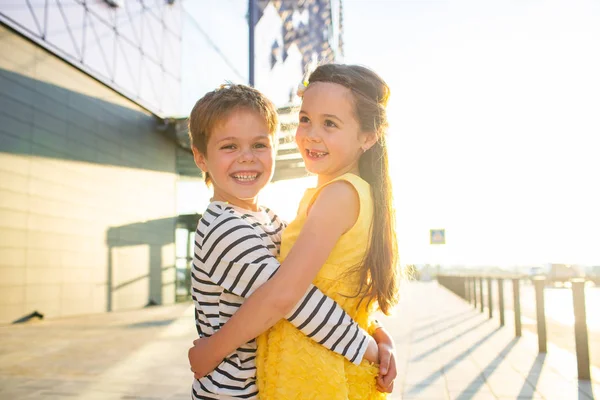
233, 255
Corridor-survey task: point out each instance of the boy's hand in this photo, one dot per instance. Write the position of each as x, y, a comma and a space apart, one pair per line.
372, 352
387, 361
202, 360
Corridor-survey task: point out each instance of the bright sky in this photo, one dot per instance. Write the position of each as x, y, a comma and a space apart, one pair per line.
495, 132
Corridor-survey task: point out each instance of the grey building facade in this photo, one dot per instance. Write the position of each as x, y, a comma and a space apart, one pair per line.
90, 159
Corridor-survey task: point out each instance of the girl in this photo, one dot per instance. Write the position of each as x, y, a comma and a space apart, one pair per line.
343, 238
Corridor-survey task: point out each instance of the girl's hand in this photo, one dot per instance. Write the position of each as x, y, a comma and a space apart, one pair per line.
387, 368
202, 359
387, 361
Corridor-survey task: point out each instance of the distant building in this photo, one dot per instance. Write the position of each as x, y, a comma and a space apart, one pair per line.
93, 157
563, 272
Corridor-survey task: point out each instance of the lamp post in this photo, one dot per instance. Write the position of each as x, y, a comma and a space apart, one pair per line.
252, 16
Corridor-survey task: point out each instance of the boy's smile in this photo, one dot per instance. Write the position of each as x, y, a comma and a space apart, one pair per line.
245, 177
239, 158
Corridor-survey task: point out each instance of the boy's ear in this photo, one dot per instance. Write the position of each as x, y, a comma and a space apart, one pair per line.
199, 159
368, 139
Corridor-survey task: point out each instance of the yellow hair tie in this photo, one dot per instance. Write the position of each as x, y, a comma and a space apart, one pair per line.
302, 88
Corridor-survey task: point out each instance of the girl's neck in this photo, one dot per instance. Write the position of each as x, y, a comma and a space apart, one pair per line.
322, 179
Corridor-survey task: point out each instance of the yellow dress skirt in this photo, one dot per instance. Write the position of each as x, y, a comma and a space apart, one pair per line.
292, 366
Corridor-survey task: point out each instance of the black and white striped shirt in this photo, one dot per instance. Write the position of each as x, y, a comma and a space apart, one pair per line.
235, 252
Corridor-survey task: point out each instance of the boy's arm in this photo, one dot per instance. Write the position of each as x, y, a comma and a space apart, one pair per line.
237, 259
334, 212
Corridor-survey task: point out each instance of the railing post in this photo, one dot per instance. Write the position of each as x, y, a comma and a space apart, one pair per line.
501, 300
470, 289
517, 306
481, 294
467, 289
581, 333
540, 282
474, 280
490, 301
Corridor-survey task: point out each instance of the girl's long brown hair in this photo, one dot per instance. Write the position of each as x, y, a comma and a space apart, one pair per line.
378, 271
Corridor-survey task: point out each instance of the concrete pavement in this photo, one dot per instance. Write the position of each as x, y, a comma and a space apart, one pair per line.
446, 350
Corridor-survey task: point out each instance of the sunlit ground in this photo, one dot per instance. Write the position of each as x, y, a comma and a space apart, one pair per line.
559, 306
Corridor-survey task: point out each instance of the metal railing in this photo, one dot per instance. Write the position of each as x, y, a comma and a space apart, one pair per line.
466, 286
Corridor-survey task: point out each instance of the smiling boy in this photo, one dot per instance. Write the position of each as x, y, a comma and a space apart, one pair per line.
232, 130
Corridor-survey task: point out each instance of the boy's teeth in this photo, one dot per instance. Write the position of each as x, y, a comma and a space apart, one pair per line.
245, 177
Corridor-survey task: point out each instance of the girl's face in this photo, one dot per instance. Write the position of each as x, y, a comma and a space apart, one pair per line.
328, 135
239, 158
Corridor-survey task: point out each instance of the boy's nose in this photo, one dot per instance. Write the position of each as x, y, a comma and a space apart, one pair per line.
246, 156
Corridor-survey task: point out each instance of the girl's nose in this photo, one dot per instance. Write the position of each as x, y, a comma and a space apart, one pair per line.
313, 136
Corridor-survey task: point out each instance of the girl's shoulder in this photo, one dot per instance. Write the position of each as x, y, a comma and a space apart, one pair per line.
354, 180
362, 188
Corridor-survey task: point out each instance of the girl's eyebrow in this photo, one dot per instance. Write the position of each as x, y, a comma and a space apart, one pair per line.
332, 116
324, 115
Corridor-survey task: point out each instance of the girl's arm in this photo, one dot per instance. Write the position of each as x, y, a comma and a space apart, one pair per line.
334, 212
232, 255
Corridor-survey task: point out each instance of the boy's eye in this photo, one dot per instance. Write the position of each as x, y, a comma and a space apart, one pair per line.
228, 147
304, 119
261, 146
330, 124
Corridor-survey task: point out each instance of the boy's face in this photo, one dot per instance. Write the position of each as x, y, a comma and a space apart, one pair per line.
239, 158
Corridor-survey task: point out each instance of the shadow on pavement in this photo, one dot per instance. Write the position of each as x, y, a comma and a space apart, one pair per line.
425, 382
471, 391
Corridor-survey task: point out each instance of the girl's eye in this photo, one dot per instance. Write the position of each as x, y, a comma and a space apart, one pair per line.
260, 146
330, 124
304, 119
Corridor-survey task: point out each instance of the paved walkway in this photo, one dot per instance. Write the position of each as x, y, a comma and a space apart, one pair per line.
446, 350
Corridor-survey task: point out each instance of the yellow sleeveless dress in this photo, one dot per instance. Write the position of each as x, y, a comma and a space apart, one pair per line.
292, 366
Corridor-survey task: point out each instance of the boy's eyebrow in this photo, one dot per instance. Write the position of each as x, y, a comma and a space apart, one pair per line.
263, 136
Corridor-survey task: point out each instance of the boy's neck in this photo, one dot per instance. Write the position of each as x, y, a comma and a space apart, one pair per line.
246, 204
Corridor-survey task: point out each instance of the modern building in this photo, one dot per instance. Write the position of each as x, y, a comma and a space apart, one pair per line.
98, 191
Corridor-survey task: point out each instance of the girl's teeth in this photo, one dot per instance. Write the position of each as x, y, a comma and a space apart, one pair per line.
317, 154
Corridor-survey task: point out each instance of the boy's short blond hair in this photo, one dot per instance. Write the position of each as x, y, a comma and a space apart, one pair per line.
216, 106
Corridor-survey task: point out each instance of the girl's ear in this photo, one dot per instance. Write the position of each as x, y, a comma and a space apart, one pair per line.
199, 159
368, 139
